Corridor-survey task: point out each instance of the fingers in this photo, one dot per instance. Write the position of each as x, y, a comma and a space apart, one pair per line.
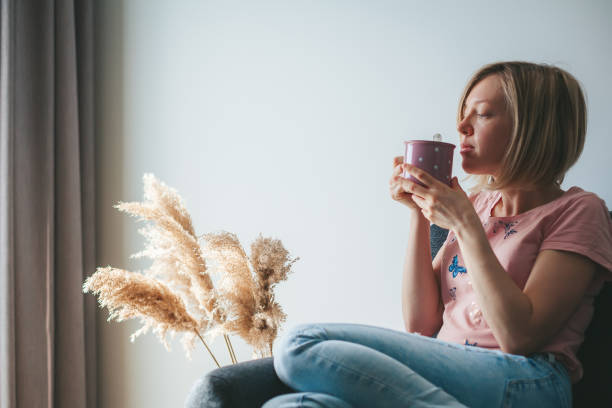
397, 191
400, 186
397, 170
398, 160
398, 194
455, 184
411, 187
420, 174
397, 167
406, 185
420, 201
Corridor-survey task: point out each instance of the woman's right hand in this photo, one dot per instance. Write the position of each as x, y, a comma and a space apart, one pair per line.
396, 185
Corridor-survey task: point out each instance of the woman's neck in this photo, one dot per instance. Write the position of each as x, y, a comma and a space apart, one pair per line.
517, 201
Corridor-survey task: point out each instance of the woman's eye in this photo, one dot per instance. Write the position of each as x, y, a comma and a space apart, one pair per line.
483, 115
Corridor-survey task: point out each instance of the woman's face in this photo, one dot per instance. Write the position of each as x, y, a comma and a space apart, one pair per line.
486, 128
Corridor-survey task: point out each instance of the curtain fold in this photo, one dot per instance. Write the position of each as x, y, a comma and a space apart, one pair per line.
47, 326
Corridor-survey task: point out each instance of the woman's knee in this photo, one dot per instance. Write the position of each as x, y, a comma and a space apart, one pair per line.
290, 349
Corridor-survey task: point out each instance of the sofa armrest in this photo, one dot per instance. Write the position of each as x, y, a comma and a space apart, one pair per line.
244, 385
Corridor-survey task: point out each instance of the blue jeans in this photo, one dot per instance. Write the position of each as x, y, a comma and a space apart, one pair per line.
353, 366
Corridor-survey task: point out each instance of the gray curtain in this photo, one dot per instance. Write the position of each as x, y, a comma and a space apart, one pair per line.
47, 326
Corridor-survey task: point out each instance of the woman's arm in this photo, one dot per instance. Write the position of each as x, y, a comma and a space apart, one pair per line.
524, 320
421, 304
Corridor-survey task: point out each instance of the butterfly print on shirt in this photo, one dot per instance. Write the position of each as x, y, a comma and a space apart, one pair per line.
508, 230
454, 267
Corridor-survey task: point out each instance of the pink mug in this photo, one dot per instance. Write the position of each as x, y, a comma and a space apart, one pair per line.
434, 157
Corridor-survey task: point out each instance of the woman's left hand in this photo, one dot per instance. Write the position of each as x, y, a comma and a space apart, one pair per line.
447, 207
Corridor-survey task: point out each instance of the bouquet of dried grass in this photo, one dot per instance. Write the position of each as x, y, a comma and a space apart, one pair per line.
253, 312
177, 293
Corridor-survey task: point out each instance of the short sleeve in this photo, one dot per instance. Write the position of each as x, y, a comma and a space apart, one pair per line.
583, 226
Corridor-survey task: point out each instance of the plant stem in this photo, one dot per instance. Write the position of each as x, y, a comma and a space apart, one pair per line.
230, 348
206, 345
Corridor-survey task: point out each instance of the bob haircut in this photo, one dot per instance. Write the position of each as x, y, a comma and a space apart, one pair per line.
548, 112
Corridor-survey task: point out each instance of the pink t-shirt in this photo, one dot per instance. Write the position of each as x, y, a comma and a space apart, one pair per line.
578, 221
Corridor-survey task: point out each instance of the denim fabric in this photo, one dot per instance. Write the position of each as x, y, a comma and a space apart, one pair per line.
352, 365
307, 400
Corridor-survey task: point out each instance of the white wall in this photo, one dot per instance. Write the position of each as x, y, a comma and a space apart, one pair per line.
282, 117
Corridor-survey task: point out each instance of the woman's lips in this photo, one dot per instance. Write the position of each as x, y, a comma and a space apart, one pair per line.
466, 148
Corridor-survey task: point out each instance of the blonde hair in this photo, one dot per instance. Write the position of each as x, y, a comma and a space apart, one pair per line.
549, 118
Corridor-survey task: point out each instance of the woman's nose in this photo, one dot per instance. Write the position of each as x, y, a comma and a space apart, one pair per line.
465, 128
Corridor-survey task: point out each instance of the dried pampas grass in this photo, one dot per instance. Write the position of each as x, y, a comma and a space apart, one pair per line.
272, 264
254, 315
173, 245
177, 293
127, 295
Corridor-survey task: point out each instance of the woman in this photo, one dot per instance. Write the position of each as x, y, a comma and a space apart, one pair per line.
509, 295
